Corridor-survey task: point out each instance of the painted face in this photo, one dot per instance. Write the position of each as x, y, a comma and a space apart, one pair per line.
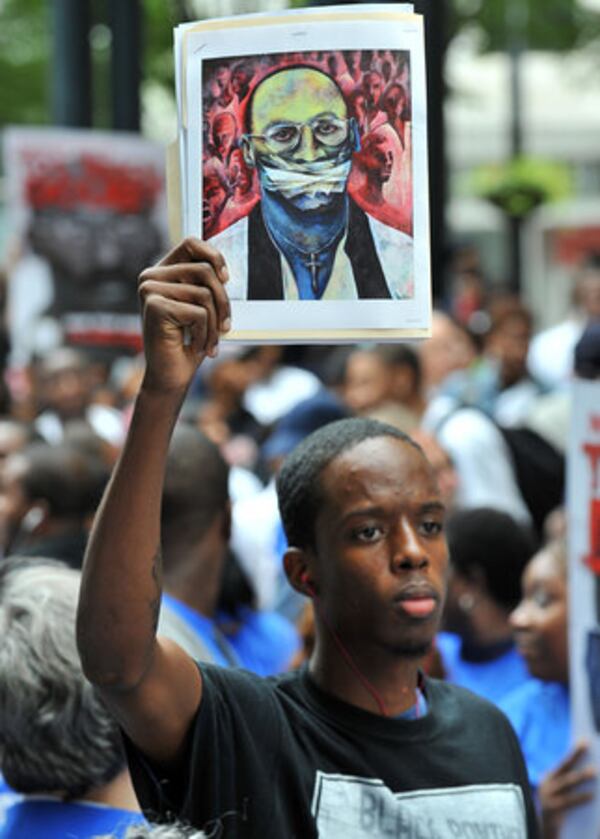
377, 157
540, 620
359, 108
238, 172
299, 114
223, 86
354, 58
394, 101
214, 199
380, 553
224, 131
373, 87
240, 81
301, 140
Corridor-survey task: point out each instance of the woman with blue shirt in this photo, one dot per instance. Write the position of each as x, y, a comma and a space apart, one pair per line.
539, 710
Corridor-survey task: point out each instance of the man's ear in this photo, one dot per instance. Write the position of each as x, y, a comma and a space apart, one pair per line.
248, 151
297, 564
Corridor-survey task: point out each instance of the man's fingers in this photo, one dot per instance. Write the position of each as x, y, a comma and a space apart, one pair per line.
197, 274
570, 780
187, 300
195, 250
571, 799
189, 321
572, 758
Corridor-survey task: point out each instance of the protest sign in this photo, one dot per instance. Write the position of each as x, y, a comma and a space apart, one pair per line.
584, 587
87, 212
303, 159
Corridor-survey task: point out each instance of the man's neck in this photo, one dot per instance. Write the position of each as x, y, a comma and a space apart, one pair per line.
377, 682
196, 583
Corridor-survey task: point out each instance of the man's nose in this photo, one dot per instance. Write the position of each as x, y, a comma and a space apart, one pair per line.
408, 552
307, 147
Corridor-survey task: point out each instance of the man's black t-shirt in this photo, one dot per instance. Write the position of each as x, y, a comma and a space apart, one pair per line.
279, 759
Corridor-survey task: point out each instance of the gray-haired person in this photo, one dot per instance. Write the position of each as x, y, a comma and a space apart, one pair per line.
59, 746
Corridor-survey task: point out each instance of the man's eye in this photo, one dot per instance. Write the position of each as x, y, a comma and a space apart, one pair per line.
432, 528
368, 533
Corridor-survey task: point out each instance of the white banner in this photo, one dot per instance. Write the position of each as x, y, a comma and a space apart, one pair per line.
583, 501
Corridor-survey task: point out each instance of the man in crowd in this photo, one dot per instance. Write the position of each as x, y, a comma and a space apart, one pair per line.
361, 744
195, 531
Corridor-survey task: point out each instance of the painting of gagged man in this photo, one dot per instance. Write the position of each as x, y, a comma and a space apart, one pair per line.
307, 174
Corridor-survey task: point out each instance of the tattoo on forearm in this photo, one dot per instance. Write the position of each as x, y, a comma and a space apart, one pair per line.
157, 578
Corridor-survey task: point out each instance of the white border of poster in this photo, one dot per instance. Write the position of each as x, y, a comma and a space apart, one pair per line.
348, 28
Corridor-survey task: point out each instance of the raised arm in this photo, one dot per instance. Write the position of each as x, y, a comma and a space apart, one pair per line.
152, 686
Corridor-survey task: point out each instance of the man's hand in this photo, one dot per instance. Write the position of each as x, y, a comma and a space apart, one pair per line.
564, 788
184, 310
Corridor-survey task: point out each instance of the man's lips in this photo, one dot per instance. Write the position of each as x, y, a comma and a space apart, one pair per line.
417, 601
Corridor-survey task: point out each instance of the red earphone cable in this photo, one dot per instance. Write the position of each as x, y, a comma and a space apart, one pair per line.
351, 663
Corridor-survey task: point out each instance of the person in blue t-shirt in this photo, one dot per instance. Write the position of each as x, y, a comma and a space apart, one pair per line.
213, 625
488, 552
60, 750
540, 710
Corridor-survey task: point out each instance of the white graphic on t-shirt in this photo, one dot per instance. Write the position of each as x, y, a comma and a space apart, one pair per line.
345, 807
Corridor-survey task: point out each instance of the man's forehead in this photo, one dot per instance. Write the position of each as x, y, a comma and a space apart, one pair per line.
376, 460
296, 95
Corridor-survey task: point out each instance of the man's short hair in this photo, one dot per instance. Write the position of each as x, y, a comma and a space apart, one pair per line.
56, 736
196, 487
299, 488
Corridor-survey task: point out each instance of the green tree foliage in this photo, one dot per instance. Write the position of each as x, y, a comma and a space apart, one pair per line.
25, 50
26, 43
555, 25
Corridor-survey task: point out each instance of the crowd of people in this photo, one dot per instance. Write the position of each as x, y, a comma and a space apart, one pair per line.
256, 497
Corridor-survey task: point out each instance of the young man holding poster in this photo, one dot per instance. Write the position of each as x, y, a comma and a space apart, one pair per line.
360, 744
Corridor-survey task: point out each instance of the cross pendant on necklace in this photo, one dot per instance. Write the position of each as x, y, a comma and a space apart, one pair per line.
312, 263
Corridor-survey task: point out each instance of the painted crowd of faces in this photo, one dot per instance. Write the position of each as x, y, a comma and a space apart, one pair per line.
376, 87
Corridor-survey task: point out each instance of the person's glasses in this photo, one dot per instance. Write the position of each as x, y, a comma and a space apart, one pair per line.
285, 137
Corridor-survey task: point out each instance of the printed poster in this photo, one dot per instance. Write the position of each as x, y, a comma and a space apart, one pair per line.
583, 499
88, 213
304, 148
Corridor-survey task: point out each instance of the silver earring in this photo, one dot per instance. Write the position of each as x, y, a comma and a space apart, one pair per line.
466, 602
